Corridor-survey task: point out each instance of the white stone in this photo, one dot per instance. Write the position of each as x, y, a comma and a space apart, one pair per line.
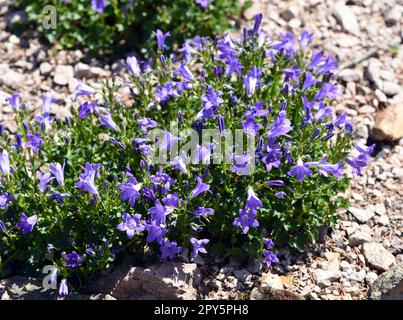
82, 70
358, 238
361, 215
384, 220
45, 68
393, 15
390, 88
371, 277
377, 256
325, 277
350, 75
380, 209
63, 75
346, 17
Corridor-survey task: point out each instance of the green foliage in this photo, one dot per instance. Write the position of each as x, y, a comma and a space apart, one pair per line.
128, 23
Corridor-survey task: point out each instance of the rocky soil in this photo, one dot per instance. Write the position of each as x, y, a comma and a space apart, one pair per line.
366, 38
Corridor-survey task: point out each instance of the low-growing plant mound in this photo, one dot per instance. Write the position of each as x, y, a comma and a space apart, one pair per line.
230, 145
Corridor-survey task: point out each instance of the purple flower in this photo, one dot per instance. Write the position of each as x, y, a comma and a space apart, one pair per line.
2, 226
323, 112
87, 179
130, 191
309, 81
300, 170
280, 127
179, 163
146, 123
34, 142
130, 224
14, 100
328, 90
59, 197
5, 162
169, 141
306, 37
362, 159
73, 259
155, 232
256, 110
251, 127
221, 124
171, 200
246, 220
212, 98
270, 257
268, 243
200, 188
184, 71
286, 45
83, 90
27, 223
169, 250
203, 154
204, 3
58, 172
162, 181
203, 212
271, 155
63, 289
99, 5
45, 121
86, 108
44, 179
242, 164
198, 246
322, 64
48, 99
335, 169
166, 92
5, 199
161, 37
292, 74
252, 80
159, 212
276, 183
280, 194
133, 66
252, 201
233, 65
108, 122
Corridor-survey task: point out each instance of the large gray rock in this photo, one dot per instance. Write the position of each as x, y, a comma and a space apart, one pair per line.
377, 256
167, 281
388, 124
389, 285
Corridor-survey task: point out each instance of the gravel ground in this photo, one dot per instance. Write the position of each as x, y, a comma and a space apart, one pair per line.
365, 36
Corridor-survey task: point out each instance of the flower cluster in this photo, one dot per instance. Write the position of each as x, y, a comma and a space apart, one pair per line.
80, 192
